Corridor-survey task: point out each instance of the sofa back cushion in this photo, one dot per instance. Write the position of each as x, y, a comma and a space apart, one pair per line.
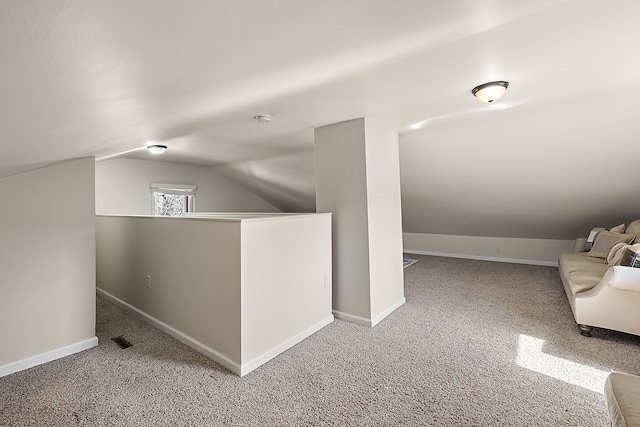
634, 228
592, 237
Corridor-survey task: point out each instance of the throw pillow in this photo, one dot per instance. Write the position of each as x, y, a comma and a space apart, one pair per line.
605, 241
616, 253
618, 229
631, 256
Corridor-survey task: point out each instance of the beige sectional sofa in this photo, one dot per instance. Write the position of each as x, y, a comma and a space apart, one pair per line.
602, 288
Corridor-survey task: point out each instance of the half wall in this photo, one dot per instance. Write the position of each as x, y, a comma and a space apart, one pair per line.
240, 289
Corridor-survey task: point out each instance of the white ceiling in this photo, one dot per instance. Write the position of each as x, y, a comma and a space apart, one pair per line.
554, 156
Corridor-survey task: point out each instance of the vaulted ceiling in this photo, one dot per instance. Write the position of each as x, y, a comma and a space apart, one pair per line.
556, 155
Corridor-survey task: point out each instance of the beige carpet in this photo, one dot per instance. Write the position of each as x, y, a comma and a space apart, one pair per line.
448, 357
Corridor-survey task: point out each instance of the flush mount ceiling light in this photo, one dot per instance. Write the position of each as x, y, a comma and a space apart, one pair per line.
491, 91
157, 148
262, 118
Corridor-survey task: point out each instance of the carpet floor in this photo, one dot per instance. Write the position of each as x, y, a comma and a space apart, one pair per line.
477, 344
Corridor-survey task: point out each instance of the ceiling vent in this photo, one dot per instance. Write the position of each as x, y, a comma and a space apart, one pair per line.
262, 118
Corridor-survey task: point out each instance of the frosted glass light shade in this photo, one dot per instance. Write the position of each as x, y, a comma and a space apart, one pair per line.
491, 91
157, 149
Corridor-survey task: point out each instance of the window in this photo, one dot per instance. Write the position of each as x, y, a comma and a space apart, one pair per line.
172, 199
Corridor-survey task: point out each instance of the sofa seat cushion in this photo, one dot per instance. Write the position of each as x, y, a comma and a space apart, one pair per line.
622, 395
580, 281
580, 261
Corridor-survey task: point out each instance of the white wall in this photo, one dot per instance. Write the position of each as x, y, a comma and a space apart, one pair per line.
358, 180
47, 264
286, 263
122, 187
525, 251
195, 274
341, 188
385, 219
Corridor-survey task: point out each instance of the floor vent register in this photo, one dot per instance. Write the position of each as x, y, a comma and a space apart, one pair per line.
123, 343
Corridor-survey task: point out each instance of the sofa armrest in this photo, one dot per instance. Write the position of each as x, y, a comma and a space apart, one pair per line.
611, 304
620, 277
580, 244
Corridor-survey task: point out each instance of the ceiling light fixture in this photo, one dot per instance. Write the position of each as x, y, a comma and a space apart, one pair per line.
491, 91
157, 148
262, 118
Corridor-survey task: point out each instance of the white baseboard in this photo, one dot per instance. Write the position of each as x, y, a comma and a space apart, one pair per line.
369, 322
236, 368
353, 319
40, 359
212, 354
483, 258
270, 354
393, 307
